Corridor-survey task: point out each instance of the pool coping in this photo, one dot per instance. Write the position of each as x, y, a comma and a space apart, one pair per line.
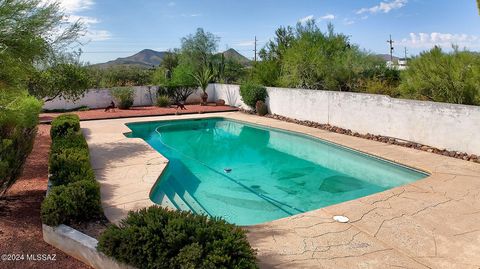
127, 169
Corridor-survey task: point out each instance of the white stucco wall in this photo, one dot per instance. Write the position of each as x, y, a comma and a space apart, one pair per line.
100, 98
449, 126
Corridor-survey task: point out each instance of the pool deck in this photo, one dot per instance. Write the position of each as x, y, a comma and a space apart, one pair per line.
431, 223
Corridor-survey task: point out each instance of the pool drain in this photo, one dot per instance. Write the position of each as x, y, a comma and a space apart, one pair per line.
341, 219
227, 170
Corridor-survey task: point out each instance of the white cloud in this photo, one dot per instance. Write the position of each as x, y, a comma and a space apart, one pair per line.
328, 17
84, 19
445, 40
98, 35
192, 15
305, 19
72, 8
348, 21
383, 7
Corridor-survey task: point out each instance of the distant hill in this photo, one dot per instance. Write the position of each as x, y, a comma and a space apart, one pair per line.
145, 58
386, 57
149, 58
234, 55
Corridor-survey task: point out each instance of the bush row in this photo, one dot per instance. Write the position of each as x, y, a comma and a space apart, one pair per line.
75, 195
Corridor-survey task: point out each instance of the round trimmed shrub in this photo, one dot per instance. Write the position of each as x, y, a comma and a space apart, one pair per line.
251, 93
163, 101
64, 125
78, 201
160, 238
124, 96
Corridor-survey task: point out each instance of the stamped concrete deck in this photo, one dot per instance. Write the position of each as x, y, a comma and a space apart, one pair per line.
431, 223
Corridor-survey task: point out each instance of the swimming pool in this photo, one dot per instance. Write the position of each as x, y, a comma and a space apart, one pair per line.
249, 174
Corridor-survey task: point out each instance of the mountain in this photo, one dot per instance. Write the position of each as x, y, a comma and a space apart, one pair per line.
145, 58
149, 58
386, 57
234, 55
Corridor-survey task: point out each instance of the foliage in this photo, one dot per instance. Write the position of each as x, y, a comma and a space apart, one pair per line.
197, 50
75, 195
266, 72
178, 93
443, 77
63, 77
78, 201
323, 61
124, 96
27, 37
119, 76
203, 77
251, 93
161, 238
26, 41
227, 70
163, 100
182, 75
379, 86
65, 124
169, 62
18, 120
261, 108
69, 160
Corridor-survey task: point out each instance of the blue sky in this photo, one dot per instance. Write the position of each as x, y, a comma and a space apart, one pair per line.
121, 28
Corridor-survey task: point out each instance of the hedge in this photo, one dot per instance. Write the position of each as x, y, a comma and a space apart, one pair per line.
251, 93
64, 125
69, 160
161, 238
75, 195
77, 201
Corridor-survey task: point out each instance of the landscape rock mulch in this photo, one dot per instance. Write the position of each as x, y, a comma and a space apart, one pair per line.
20, 224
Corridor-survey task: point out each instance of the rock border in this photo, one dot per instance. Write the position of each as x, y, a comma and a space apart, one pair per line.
384, 139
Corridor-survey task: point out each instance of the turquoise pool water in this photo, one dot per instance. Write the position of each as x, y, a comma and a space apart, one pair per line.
249, 174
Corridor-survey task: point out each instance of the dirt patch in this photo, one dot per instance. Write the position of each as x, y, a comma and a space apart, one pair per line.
92, 228
20, 224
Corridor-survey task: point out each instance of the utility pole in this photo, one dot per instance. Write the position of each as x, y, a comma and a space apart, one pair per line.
390, 41
255, 49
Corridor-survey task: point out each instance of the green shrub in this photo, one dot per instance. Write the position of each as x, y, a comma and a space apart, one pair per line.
70, 165
78, 201
124, 96
160, 238
18, 120
251, 93
177, 92
64, 125
443, 77
69, 160
163, 101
